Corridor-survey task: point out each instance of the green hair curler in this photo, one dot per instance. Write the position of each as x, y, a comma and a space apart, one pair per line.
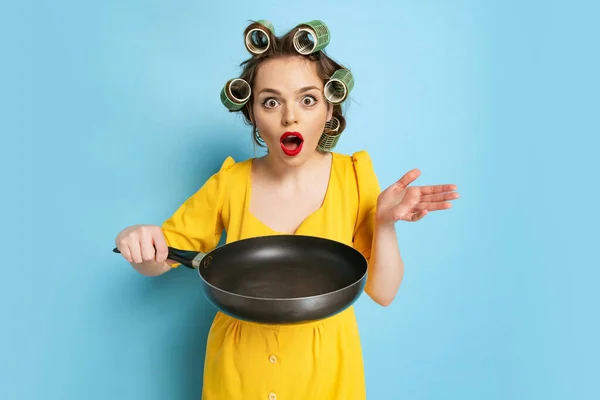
339, 86
258, 36
235, 94
330, 136
320, 37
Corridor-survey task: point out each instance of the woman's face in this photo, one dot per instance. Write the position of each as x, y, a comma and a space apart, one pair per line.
289, 108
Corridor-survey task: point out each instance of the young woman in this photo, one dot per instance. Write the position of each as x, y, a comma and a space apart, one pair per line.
296, 188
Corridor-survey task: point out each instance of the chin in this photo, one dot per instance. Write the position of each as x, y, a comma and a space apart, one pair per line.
298, 159
305, 154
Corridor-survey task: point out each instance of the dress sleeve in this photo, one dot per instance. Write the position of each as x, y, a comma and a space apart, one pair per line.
197, 225
368, 191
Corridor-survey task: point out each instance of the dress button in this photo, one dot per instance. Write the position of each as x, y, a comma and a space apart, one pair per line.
272, 359
272, 396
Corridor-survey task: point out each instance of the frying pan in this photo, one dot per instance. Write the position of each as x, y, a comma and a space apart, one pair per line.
280, 279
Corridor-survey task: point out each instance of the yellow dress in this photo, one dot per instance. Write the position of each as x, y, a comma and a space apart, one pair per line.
247, 361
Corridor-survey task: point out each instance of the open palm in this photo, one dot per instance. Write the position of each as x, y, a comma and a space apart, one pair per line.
411, 203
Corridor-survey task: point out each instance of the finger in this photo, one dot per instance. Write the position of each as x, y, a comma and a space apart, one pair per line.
147, 245
407, 179
125, 252
136, 252
440, 197
432, 206
432, 189
160, 244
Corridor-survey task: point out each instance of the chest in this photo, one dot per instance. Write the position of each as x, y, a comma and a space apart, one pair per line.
285, 209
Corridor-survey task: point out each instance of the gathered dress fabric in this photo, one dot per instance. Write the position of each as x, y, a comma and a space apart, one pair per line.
244, 360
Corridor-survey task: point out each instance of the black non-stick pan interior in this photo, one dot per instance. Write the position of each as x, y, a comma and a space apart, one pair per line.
283, 267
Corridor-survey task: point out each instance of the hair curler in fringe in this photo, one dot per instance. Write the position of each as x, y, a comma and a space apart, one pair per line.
257, 36
235, 94
311, 37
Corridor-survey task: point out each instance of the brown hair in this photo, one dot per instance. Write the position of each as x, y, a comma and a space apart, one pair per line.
284, 47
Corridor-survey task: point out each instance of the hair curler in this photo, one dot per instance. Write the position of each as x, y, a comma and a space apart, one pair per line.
235, 94
258, 36
311, 37
339, 86
330, 136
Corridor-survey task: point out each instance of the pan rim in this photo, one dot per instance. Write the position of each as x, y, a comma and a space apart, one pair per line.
279, 299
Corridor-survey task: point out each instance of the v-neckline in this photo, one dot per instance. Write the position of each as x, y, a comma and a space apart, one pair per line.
308, 217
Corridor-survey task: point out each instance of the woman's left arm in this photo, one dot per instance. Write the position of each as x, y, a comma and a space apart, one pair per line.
399, 202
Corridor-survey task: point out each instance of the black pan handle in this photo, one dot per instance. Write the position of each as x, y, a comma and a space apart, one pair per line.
185, 257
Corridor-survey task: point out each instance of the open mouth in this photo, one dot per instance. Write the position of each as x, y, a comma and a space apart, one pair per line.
291, 143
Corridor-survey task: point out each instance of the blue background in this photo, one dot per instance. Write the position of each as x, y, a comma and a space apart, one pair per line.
110, 116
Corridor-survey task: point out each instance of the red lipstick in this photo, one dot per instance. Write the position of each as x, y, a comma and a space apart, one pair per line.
291, 143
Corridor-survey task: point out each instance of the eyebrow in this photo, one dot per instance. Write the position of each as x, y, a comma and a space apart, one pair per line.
277, 92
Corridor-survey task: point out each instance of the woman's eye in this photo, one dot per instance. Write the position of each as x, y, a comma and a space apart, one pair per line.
309, 101
270, 103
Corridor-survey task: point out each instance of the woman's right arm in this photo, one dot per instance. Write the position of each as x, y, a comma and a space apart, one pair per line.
195, 225
145, 247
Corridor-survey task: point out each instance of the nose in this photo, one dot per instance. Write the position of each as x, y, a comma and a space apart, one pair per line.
289, 115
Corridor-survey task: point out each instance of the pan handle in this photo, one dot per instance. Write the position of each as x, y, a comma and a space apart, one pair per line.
188, 258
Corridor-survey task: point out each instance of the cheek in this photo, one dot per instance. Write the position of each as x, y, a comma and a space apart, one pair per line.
263, 121
317, 130
317, 123
268, 125
260, 116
